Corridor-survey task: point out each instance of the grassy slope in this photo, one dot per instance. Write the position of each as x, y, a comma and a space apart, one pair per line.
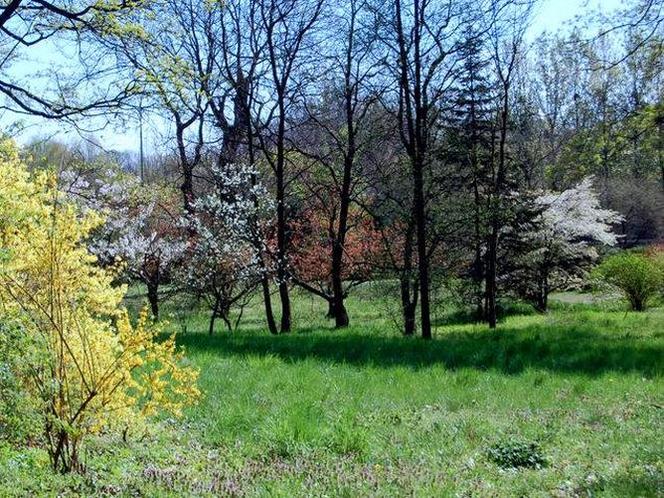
366, 412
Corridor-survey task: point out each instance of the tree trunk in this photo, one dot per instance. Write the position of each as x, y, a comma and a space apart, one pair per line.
543, 294
213, 317
422, 256
408, 300
187, 186
408, 318
339, 309
282, 229
153, 298
660, 147
478, 266
267, 300
638, 304
285, 307
499, 182
339, 312
225, 316
491, 291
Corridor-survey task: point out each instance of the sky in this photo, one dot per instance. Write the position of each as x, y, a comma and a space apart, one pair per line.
550, 16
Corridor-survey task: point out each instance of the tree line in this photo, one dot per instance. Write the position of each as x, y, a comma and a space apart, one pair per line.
323, 144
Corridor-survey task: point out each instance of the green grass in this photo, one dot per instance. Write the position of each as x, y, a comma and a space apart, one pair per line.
366, 412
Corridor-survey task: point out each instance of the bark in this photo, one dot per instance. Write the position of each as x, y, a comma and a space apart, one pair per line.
213, 317
660, 147
542, 296
282, 228
491, 290
267, 301
414, 116
499, 181
408, 296
153, 298
187, 186
422, 256
338, 308
282, 272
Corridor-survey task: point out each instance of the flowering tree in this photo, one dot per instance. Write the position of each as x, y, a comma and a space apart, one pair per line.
223, 259
313, 240
562, 243
86, 366
140, 228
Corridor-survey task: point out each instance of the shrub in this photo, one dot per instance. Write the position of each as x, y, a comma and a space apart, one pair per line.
84, 366
637, 276
19, 419
516, 453
656, 253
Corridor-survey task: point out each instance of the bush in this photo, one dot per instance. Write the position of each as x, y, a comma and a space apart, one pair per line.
78, 360
516, 453
19, 420
637, 276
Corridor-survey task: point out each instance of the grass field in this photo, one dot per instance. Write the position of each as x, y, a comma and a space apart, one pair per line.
366, 412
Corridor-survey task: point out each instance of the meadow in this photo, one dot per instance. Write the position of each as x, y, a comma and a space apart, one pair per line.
570, 403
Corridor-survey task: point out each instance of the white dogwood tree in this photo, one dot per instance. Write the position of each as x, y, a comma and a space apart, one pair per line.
562, 242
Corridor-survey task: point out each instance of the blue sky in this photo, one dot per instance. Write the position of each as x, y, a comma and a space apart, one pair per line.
550, 15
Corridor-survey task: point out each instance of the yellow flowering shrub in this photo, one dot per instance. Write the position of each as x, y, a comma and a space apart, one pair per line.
93, 370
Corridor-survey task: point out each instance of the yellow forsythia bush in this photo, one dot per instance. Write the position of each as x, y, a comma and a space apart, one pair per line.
90, 368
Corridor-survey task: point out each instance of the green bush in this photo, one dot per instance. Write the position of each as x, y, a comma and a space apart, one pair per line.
638, 276
19, 419
516, 453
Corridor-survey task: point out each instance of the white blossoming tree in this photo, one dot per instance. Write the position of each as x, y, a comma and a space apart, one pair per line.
141, 229
223, 260
562, 243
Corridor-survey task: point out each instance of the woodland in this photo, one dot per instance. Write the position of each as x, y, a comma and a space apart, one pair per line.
360, 248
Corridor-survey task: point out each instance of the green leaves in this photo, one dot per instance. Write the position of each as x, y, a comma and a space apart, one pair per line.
638, 276
515, 453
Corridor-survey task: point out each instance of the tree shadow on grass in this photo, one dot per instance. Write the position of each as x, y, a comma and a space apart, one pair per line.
467, 316
557, 347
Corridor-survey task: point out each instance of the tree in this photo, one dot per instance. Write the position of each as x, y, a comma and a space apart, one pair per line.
287, 27
314, 237
423, 36
636, 275
172, 54
28, 24
223, 265
563, 243
472, 142
90, 368
341, 119
507, 32
140, 229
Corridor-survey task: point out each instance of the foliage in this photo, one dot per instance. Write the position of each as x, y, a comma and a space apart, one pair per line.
313, 235
562, 242
636, 275
513, 453
18, 413
140, 229
86, 366
224, 254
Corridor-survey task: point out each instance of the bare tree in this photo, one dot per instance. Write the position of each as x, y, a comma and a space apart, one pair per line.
340, 119
288, 27
90, 87
423, 37
507, 34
